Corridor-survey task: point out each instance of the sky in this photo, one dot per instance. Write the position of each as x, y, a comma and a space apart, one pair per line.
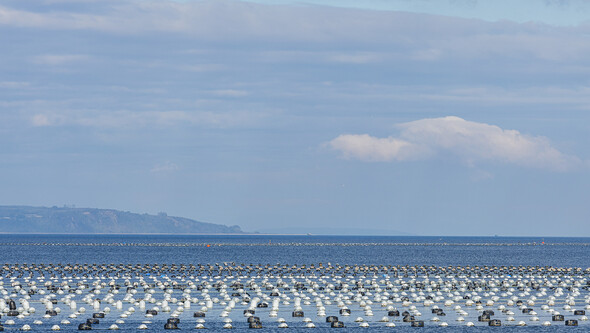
411, 117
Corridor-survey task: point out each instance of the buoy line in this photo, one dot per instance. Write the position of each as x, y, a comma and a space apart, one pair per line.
238, 295
281, 244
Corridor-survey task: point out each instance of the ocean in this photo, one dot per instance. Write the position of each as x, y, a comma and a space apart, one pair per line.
379, 289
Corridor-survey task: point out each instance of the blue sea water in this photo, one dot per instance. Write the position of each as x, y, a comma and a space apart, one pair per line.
271, 249
297, 250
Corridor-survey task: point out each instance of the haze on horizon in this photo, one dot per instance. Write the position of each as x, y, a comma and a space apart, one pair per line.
422, 117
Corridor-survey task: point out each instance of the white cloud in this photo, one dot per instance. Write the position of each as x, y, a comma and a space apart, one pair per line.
14, 84
470, 141
229, 93
368, 148
40, 120
142, 119
164, 167
58, 59
357, 57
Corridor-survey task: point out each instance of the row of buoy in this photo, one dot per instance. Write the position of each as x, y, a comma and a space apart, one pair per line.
379, 296
86, 270
289, 244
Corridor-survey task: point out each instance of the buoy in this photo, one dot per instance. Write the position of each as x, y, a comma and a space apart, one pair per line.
92, 321
255, 324
170, 326
495, 322
84, 327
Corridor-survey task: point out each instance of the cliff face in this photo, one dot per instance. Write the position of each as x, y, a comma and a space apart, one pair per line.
25, 219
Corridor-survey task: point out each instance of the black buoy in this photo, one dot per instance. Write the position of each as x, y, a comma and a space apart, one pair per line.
417, 323
199, 314
98, 315
84, 327
483, 317
255, 324
408, 319
571, 322
174, 321
170, 326
345, 311
579, 313
92, 321
253, 319
12, 313
557, 318
297, 314
331, 319
152, 312
495, 322
393, 313
250, 311
337, 324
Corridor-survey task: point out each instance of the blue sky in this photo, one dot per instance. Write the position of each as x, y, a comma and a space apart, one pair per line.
416, 117
555, 12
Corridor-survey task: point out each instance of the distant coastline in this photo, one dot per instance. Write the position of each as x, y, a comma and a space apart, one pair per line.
70, 220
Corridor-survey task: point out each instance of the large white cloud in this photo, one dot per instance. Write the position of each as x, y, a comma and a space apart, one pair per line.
470, 141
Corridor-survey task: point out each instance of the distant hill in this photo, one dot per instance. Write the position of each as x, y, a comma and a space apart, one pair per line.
25, 219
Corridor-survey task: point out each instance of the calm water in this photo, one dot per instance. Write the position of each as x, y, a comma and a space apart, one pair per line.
259, 249
263, 249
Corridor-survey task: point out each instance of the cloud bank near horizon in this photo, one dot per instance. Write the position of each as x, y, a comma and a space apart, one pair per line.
470, 141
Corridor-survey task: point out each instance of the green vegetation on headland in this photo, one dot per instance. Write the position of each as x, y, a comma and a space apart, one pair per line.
26, 219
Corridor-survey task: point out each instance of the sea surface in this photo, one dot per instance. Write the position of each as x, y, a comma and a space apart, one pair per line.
271, 249
298, 250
